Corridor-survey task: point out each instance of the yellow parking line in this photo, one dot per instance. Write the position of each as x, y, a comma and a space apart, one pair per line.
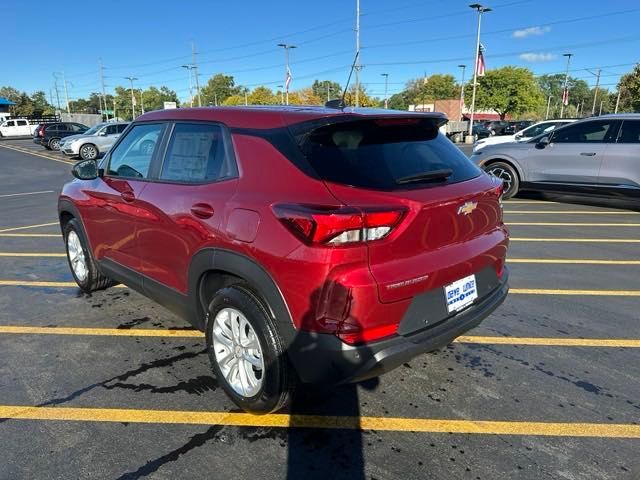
181, 417
27, 227
571, 212
156, 332
561, 224
550, 342
34, 235
569, 261
600, 293
100, 332
37, 154
27, 193
31, 254
575, 240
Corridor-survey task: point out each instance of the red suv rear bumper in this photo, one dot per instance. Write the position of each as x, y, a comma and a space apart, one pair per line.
324, 358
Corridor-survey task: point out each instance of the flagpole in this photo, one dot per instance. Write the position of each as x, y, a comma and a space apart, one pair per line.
481, 10
565, 90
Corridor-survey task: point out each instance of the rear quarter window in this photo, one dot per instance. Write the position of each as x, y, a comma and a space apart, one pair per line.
378, 154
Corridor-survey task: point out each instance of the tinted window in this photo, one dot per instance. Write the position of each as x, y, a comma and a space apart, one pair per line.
22, 123
539, 129
630, 132
76, 127
121, 127
584, 132
112, 130
132, 157
10, 124
197, 153
378, 154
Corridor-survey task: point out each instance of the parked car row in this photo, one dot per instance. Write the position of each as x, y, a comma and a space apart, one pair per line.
78, 140
526, 134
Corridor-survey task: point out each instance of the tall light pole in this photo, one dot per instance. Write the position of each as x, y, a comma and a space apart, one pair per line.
480, 9
133, 99
287, 72
565, 90
357, 65
618, 99
281, 87
546, 117
194, 66
463, 67
386, 86
190, 67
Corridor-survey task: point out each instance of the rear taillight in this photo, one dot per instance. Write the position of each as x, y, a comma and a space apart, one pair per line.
335, 226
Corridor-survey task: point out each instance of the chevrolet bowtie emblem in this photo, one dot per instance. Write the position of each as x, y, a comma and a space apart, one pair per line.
467, 208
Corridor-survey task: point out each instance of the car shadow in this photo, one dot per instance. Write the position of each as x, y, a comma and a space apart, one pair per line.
602, 202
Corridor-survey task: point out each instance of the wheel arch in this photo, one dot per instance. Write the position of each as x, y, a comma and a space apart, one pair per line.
212, 269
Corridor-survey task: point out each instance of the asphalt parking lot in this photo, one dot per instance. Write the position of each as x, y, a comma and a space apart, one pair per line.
111, 385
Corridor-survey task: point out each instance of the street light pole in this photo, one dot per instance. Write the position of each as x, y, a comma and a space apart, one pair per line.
133, 100
595, 90
281, 87
480, 9
190, 67
618, 99
357, 66
386, 86
463, 67
287, 72
546, 117
565, 90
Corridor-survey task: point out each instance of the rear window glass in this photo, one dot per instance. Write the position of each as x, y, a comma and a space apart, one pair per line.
383, 154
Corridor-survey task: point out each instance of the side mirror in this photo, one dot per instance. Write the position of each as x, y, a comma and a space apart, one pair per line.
543, 143
86, 170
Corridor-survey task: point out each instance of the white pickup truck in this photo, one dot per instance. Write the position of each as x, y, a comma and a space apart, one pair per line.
16, 127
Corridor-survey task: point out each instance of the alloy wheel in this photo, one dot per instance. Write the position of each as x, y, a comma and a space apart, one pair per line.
504, 175
76, 256
88, 152
238, 352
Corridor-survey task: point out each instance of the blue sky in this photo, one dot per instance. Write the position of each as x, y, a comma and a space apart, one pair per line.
404, 38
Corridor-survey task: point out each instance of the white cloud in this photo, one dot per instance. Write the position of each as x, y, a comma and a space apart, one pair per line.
528, 32
537, 57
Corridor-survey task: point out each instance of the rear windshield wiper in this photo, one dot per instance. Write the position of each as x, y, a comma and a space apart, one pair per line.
426, 176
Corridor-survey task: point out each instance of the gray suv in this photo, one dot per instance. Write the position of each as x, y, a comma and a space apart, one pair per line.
94, 142
597, 156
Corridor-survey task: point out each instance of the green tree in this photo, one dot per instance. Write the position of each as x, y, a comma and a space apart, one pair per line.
40, 104
218, 89
508, 91
234, 100
364, 98
553, 85
305, 96
629, 87
154, 98
262, 96
320, 87
439, 87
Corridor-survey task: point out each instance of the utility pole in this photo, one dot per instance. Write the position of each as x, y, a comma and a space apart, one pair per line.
133, 98
600, 112
357, 66
66, 92
246, 98
480, 9
287, 72
104, 96
55, 85
115, 117
386, 85
281, 88
328, 90
195, 68
595, 91
190, 67
565, 90
618, 99
546, 117
463, 67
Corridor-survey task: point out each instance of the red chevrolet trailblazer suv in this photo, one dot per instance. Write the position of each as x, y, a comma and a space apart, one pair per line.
313, 244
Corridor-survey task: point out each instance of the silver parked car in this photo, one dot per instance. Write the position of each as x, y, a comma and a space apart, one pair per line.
598, 156
94, 142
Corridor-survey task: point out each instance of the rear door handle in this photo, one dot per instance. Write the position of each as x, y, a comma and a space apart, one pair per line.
202, 210
588, 154
128, 196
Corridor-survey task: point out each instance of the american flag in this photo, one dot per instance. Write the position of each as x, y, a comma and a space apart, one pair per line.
480, 67
565, 95
287, 80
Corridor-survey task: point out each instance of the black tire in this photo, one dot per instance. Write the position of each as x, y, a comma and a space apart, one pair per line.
54, 144
94, 279
47, 147
508, 175
91, 152
278, 378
